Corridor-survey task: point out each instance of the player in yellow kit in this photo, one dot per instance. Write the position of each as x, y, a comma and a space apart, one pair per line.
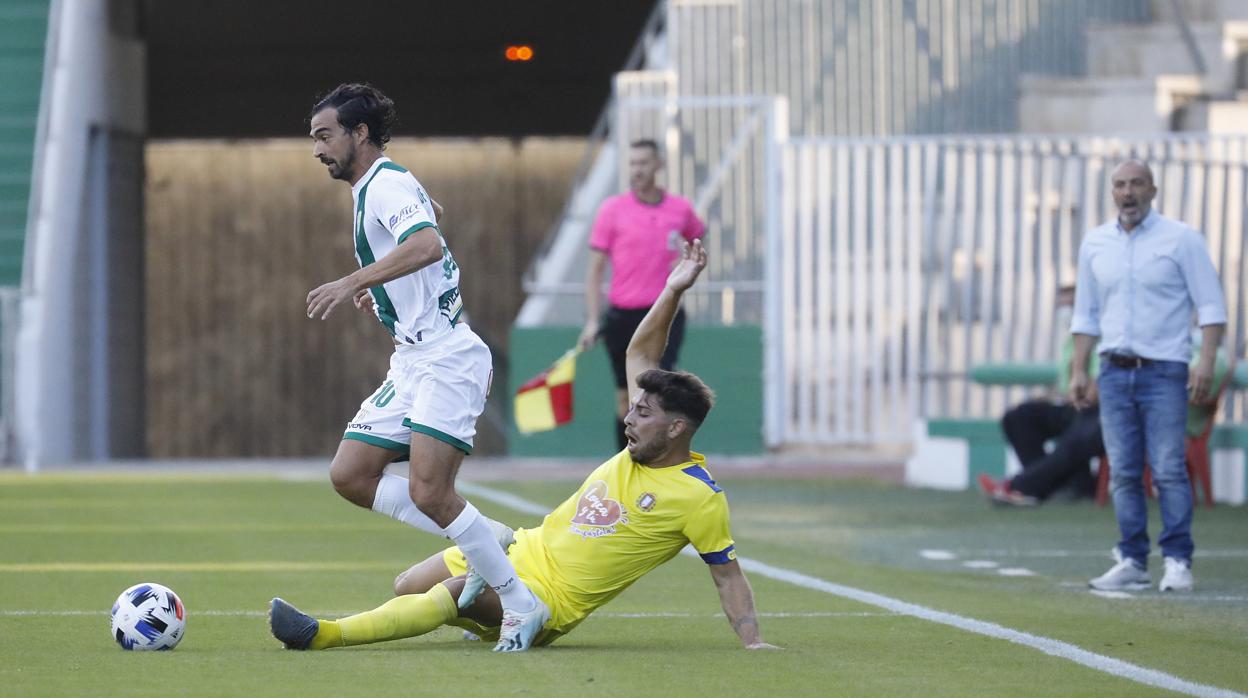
632, 514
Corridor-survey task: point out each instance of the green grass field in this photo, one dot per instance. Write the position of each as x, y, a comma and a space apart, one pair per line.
72, 542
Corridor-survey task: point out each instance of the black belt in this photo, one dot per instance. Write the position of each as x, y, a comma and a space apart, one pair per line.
1128, 361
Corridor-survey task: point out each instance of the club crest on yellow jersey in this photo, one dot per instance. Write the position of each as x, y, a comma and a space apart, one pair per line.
597, 514
646, 501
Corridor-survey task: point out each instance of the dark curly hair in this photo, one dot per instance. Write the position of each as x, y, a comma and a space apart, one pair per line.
361, 103
680, 392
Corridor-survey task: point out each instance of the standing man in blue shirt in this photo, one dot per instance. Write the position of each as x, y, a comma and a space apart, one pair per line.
1140, 279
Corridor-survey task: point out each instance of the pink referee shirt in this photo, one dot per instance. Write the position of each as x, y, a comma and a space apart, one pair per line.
643, 242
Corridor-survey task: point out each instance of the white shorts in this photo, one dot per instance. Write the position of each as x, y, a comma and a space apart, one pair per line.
436, 388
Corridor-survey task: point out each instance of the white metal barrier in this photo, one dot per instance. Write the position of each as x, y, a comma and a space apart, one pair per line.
906, 262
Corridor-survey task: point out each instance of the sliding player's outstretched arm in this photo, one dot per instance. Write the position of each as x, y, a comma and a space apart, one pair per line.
650, 339
737, 598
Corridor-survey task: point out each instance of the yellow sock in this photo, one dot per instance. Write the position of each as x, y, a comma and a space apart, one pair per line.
328, 634
400, 617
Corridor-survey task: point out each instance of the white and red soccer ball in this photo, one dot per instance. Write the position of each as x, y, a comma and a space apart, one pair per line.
148, 616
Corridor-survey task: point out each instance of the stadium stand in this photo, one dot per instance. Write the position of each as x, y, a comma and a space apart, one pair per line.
23, 28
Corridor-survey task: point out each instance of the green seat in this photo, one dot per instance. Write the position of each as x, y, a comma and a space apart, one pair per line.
1015, 374
1034, 374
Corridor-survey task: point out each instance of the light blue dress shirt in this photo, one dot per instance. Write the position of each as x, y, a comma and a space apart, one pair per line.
1137, 290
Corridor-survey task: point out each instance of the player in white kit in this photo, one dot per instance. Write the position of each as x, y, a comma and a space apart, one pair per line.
440, 372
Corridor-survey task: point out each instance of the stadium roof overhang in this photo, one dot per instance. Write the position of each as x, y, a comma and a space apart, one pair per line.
240, 68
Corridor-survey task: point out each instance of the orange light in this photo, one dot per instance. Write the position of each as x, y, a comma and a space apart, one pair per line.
519, 53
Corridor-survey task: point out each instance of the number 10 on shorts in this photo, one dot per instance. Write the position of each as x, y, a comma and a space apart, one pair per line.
384, 394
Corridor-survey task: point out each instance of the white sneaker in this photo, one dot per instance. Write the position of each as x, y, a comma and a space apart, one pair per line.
1178, 576
1123, 576
519, 629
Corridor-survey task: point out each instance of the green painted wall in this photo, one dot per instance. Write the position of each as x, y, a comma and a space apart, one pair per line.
729, 359
23, 33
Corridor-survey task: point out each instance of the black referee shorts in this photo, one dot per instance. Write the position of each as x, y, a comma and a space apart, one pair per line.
618, 331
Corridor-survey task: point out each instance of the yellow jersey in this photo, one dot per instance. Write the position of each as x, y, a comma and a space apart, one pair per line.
625, 520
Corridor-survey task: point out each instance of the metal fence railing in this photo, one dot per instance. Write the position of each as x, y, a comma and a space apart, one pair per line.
906, 262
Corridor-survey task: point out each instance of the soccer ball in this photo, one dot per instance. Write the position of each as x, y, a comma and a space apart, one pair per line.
148, 616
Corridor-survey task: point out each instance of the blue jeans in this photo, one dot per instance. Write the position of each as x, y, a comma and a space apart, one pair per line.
1143, 418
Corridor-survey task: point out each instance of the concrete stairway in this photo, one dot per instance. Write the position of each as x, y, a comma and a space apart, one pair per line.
1142, 78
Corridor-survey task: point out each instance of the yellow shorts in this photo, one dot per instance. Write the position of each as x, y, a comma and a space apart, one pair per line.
562, 618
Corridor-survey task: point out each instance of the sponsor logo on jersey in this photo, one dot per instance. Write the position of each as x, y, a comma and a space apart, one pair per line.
360, 427
451, 304
646, 501
404, 214
597, 514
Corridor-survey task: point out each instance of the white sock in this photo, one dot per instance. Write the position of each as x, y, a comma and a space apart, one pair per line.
394, 499
477, 541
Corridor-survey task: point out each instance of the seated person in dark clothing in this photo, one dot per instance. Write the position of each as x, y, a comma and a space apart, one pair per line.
1029, 426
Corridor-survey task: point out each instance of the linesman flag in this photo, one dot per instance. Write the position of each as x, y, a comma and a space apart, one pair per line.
545, 401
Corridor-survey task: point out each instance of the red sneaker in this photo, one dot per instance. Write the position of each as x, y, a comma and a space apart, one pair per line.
1000, 492
990, 485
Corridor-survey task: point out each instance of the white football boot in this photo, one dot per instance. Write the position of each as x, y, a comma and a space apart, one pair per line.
519, 629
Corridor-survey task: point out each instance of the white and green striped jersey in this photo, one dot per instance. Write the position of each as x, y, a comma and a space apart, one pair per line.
390, 205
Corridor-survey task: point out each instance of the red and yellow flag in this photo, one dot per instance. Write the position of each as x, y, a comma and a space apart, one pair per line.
545, 401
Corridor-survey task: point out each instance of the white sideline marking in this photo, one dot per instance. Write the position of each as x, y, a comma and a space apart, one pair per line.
1168, 597
1111, 594
1002, 552
290, 566
1015, 572
772, 614
190, 612
1056, 648
43, 529
981, 564
338, 614
507, 499
937, 555
1161, 597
